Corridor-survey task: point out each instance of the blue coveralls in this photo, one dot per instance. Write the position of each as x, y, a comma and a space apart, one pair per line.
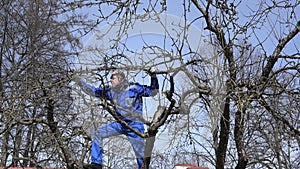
130, 99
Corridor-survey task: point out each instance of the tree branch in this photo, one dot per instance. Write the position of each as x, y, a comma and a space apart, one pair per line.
276, 54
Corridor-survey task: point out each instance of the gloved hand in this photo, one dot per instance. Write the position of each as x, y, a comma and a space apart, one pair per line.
76, 78
150, 72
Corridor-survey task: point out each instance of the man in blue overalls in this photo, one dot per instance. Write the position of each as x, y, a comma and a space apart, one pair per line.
127, 98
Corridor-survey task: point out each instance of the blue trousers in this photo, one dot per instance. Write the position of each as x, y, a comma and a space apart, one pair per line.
114, 129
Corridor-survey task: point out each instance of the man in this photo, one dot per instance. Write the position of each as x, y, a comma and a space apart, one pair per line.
127, 98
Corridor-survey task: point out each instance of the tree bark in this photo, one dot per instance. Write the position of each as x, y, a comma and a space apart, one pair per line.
224, 135
148, 149
17, 144
61, 146
239, 140
4, 147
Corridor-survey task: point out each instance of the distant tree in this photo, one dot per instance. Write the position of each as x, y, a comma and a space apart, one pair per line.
37, 44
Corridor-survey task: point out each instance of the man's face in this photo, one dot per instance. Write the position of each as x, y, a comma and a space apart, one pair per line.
115, 80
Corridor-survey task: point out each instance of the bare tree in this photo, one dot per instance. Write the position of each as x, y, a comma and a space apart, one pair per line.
251, 79
238, 107
251, 75
36, 112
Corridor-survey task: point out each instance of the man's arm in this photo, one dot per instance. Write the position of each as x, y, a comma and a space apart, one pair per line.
92, 90
87, 88
154, 86
147, 91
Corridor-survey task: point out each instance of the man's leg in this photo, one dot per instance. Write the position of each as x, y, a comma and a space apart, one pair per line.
137, 142
105, 131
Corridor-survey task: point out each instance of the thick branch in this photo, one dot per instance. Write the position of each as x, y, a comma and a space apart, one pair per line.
280, 118
62, 147
276, 54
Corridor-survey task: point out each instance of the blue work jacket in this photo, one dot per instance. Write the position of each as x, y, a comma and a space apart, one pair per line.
128, 100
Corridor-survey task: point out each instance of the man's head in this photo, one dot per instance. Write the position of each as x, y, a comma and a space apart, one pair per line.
117, 78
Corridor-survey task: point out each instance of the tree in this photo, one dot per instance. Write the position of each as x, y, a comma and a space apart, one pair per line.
252, 77
240, 77
35, 97
251, 80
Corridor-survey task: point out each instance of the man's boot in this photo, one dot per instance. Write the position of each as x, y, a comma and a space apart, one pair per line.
92, 166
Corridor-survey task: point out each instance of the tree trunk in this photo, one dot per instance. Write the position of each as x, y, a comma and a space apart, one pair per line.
61, 146
239, 140
148, 148
4, 149
17, 144
224, 136
28, 146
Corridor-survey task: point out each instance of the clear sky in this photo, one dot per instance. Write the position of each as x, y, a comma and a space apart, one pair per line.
153, 33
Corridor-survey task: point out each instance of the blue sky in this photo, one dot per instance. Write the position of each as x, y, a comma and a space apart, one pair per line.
155, 35
246, 8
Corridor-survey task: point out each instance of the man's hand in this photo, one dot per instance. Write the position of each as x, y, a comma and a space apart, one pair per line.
76, 78
150, 72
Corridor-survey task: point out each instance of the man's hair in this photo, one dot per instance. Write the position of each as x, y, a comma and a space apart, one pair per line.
118, 73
